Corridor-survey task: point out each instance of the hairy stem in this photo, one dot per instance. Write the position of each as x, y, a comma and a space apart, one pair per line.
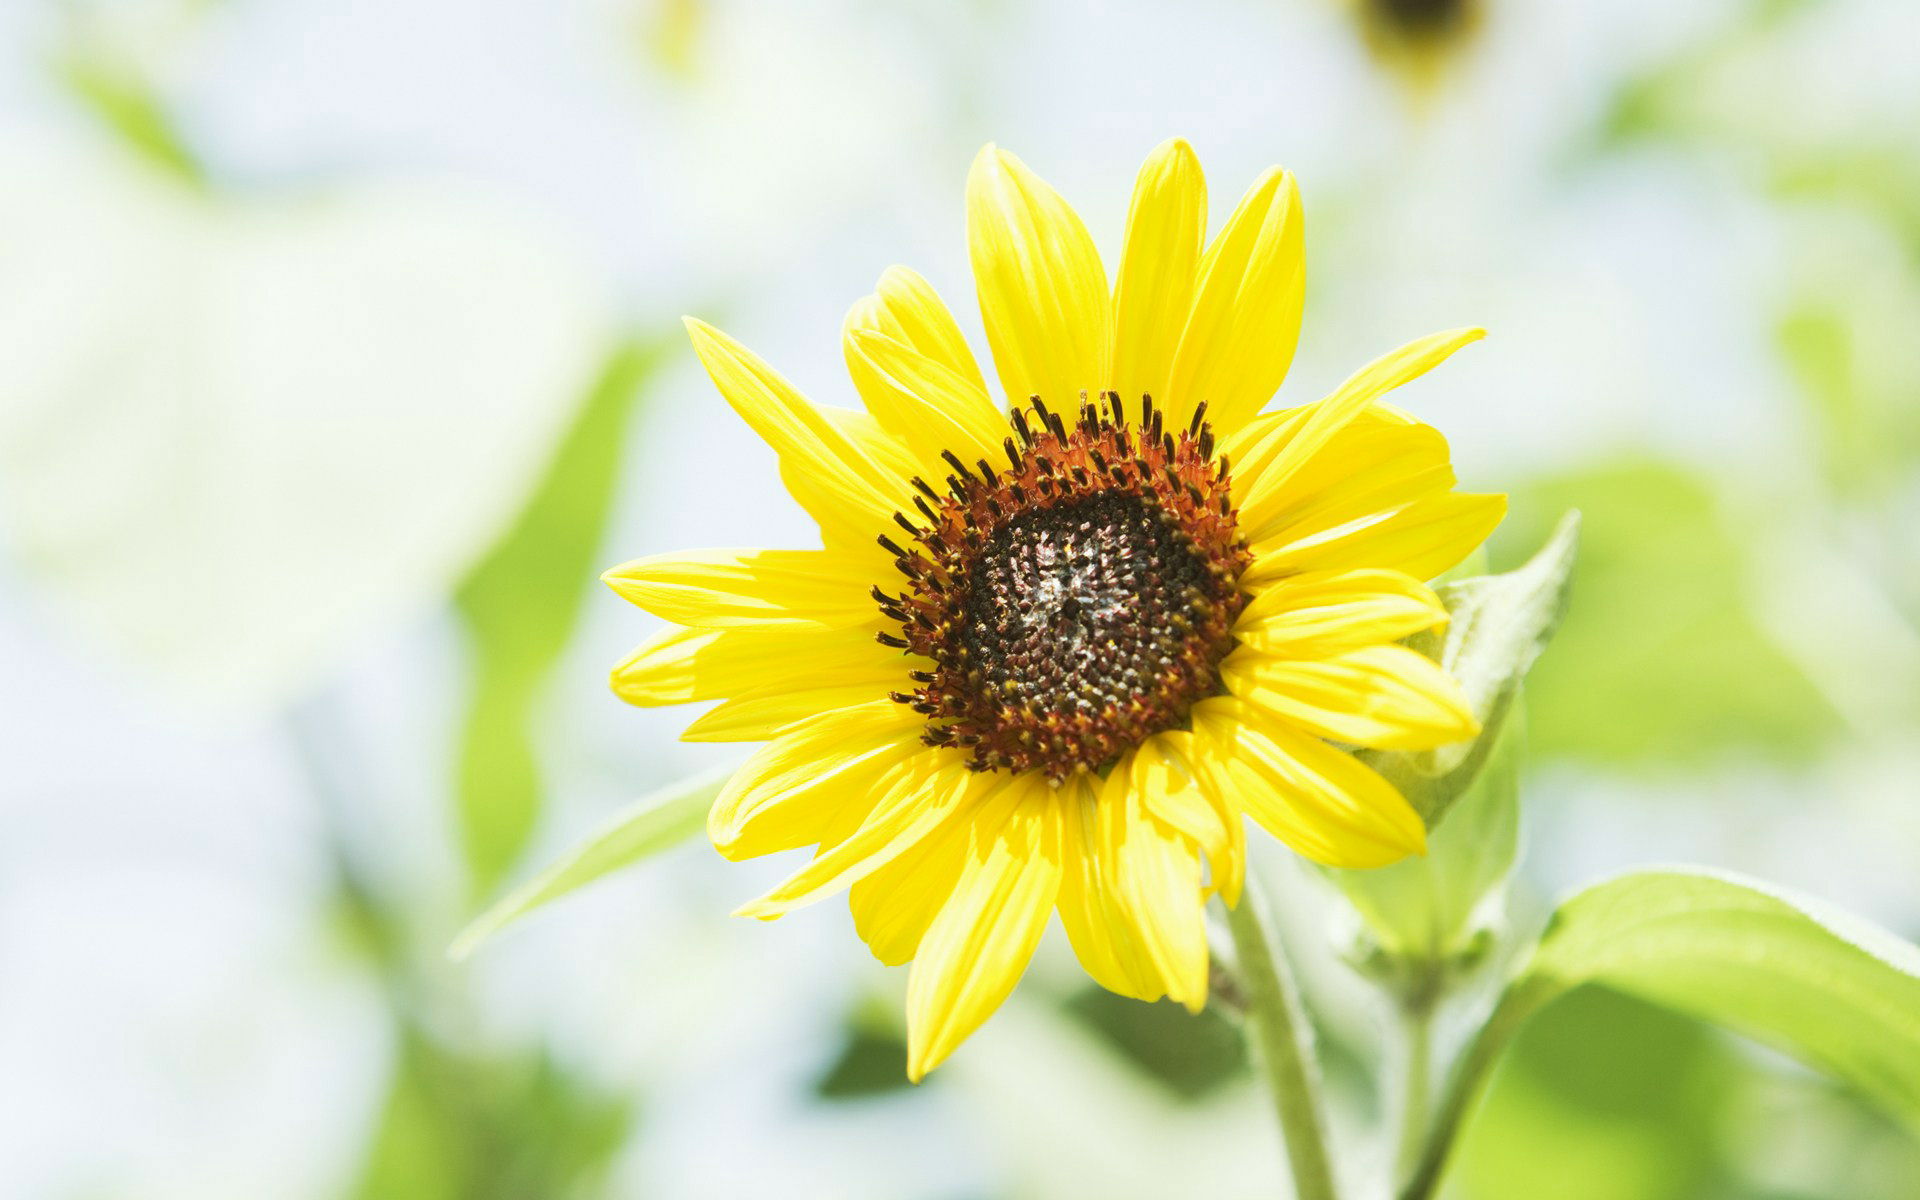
1416, 1021
1463, 1090
1283, 1041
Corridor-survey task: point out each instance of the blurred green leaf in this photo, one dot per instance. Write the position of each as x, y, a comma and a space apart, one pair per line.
129, 107
1826, 986
417, 1148
1189, 1054
872, 1062
1660, 661
520, 604
1801, 1137
1605, 1097
1739, 95
1818, 349
316, 407
1879, 179
460, 1127
1677, 95
1848, 340
656, 822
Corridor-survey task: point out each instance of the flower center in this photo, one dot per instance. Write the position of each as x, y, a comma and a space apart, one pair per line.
1078, 601
1422, 16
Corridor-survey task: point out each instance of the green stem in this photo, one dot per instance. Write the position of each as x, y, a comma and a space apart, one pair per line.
1284, 1042
1415, 1085
1463, 1090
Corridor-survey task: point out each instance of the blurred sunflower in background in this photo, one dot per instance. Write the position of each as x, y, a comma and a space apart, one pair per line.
1050, 655
1417, 39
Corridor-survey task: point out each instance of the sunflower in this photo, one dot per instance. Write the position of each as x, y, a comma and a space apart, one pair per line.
1051, 653
1418, 39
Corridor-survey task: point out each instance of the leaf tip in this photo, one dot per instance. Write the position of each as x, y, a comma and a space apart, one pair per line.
461, 948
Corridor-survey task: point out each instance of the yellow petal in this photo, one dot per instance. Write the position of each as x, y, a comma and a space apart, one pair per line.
1308, 616
1324, 803
887, 452
916, 798
715, 589
1166, 224
1294, 443
1174, 792
1385, 697
848, 493
1103, 937
847, 819
787, 793
1372, 465
893, 906
681, 665
905, 307
1043, 290
763, 713
926, 404
1239, 338
1422, 540
1257, 444
1408, 363
1219, 789
1154, 873
979, 945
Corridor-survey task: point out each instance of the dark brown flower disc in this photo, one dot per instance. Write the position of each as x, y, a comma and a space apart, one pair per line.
1077, 601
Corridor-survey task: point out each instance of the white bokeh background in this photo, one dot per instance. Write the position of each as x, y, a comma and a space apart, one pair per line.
176, 1019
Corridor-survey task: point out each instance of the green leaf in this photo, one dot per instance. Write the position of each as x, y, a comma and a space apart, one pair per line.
870, 1063
416, 1148
1192, 1055
1707, 89
129, 106
464, 1126
1421, 913
1603, 1097
1661, 662
228, 488
520, 605
1499, 625
650, 825
873, 1055
1848, 339
1822, 984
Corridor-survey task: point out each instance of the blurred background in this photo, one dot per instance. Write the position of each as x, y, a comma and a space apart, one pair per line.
339, 352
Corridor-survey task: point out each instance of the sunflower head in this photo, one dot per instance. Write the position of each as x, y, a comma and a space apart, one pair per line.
1422, 18
1418, 39
1057, 647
